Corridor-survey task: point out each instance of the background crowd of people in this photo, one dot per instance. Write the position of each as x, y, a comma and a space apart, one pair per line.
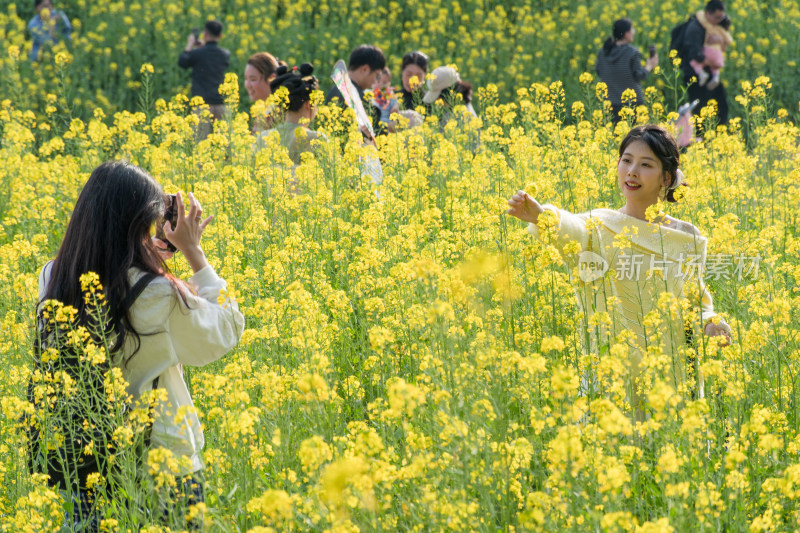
700, 42
366, 69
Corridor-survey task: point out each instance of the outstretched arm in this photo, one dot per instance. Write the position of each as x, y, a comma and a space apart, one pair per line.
524, 207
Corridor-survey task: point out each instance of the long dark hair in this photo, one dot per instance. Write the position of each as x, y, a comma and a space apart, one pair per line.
618, 31
109, 233
664, 147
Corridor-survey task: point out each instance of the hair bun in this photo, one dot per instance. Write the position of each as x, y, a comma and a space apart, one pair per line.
306, 69
298, 81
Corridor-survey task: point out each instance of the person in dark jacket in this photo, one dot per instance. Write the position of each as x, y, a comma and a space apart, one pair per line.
691, 48
619, 65
365, 65
413, 70
208, 62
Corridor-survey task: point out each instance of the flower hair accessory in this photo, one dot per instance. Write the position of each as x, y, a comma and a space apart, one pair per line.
678, 180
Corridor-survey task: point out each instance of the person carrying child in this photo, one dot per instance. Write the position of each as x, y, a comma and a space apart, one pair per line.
717, 41
689, 39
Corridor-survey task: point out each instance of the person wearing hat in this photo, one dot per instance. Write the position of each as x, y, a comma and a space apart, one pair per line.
445, 85
441, 78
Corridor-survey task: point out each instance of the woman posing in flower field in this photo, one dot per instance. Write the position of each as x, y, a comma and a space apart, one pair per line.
297, 84
156, 323
634, 264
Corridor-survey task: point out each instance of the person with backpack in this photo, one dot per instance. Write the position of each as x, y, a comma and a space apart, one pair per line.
154, 324
619, 65
689, 39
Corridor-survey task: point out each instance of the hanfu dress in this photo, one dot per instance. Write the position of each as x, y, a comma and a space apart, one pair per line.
637, 283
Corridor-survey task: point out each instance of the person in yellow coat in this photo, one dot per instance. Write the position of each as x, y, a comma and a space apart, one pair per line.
623, 264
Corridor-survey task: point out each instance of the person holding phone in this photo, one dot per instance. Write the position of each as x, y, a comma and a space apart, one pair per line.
208, 62
619, 65
157, 322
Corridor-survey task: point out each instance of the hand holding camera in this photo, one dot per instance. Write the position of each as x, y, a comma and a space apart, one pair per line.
182, 231
193, 41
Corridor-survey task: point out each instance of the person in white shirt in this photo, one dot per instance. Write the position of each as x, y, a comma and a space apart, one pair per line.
158, 323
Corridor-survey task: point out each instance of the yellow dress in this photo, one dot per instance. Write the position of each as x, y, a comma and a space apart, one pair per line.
636, 283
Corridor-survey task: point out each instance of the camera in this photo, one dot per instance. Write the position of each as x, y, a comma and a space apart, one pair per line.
171, 216
652, 50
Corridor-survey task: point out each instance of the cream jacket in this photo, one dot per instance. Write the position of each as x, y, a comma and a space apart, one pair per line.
174, 330
625, 279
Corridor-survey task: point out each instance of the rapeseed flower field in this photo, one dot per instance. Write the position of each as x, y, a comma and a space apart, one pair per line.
412, 358
511, 44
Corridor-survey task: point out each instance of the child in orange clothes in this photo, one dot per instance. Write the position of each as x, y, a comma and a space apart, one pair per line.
384, 97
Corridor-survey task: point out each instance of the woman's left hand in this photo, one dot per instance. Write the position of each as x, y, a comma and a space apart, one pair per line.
187, 233
717, 330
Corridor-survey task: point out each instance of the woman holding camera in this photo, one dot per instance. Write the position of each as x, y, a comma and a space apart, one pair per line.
156, 322
619, 65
